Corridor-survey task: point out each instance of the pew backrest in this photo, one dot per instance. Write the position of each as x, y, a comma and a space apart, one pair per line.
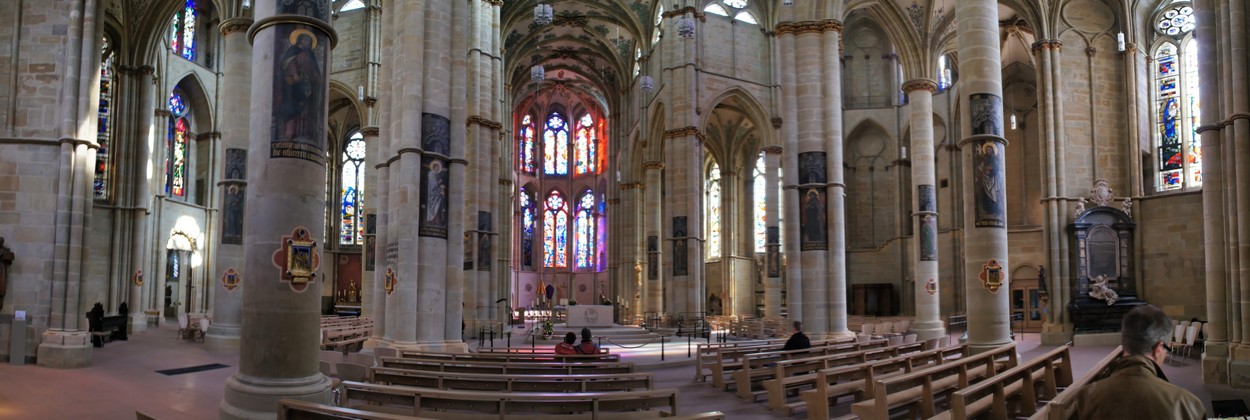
1063, 406
514, 383
422, 401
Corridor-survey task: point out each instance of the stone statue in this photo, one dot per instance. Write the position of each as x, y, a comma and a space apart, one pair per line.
1127, 206
1080, 205
1098, 290
6, 260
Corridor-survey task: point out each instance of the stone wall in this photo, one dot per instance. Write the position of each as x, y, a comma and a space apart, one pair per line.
1169, 235
28, 198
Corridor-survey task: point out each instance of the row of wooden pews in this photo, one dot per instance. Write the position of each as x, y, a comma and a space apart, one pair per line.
339, 333
918, 391
1015, 392
504, 385
760, 367
858, 380
725, 361
1063, 406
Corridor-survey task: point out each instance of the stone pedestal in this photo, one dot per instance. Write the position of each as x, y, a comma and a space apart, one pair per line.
65, 349
1215, 363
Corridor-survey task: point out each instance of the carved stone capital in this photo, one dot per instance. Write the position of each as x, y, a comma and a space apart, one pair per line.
482, 121
232, 25
653, 165
806, 27
773, 150
370, 131
920, 84
776, 123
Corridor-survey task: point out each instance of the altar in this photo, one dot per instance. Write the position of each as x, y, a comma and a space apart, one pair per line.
589, 315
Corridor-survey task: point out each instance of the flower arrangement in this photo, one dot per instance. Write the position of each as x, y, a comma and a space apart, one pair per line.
549, 327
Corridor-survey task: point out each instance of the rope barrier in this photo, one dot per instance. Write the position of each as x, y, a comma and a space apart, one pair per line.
634, 347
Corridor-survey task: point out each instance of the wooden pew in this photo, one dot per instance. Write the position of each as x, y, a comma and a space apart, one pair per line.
289, 409
500, 368
798, 374
525, 350
919, 390
1063, 406
339, 337
858, 380
706, 354
511, 357
1021, 384
452, 404
731, 359
514, 383
755, 368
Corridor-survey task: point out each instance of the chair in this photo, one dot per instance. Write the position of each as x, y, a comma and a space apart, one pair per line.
385, 352
203, 329
1178, 339
1191, 334
352, 372
184, 327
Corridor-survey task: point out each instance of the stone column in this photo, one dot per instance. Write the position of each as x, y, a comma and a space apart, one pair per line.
772, 247
928, 323
792, 194
142, 197
653, 279
236, 60
284, 217
65, 344
984, 153
836, 189
484, 218
1056, 330
1215, 355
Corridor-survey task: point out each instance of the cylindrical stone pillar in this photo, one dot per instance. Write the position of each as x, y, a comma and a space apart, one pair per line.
653, 281
813, 183
836, 288
236, 64
284, 222
984, 153
772, 234
1215, 353
928, 324
142, 199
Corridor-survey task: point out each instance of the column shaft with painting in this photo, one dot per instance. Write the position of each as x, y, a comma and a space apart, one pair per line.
284, 217
928, 323
772, 246
653, 281
984, 153
236, 60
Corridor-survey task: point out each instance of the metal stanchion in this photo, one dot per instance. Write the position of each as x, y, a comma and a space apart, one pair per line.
661, 348
688, 340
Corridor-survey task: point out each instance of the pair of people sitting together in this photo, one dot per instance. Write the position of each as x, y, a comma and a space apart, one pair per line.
586, 346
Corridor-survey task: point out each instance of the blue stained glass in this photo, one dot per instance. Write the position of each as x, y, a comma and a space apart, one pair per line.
527, 229
555, 231
556, 146
189, 15
584, 226
177, 106
1170, 118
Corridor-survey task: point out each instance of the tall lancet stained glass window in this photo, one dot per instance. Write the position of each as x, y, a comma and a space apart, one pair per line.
182, 30
555, 231
104, 120
1177, 108
352, 229
527, 149
528, 221
712, 205
759, 206
176, 145
584, 149
556, 146
584, 227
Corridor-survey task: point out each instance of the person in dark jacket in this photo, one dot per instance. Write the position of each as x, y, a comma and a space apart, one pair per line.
1136, 387
567, 346
798, 340
587, 346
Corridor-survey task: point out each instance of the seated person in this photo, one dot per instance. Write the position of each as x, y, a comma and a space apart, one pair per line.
567, 347
586, 346
798, 341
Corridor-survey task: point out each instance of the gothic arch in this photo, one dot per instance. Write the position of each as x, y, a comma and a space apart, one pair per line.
871, 186
196, 96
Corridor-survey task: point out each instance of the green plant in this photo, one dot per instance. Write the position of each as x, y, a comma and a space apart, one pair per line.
572, 302
549, 327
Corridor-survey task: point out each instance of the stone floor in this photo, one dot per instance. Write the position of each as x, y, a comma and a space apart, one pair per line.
123, 380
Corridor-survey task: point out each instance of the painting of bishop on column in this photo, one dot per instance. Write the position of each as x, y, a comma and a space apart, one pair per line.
988, 184
299, 94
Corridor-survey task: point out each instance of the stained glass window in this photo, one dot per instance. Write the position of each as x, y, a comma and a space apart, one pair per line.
526, 154
759, 193
104, 119
713, 212
555, 231
584, 149
584, 229
1177, 108
179, 132
527, 228
556, 146
352, 230
182, 31
602, 236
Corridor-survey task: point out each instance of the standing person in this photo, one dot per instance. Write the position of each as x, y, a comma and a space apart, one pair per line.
1136, 387
798, 340
586, 346
567, 347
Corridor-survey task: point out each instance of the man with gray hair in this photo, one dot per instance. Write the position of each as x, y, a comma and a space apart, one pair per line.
1135, 387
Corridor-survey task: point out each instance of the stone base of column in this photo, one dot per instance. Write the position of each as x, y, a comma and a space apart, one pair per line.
1056, 334
928, 330
978, 348
1215, 363
138, 322
436, 346
1239, 366
65, 349
223, 337
257, 398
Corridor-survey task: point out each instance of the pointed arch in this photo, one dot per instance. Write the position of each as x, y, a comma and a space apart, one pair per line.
555, 229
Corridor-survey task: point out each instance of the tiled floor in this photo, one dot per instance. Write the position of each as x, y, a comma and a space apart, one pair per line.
123, 380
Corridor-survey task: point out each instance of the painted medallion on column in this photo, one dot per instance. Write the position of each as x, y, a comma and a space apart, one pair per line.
297, 259
931, 287
318, 9
653, 258
230, 279
433, 198
988, 183
232, 215
371, 241
299, 93
138, 278
813, 216
987, 114
389, 281
992, 276
483, 241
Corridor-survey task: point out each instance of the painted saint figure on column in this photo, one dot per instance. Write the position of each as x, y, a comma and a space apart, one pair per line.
434, 199
990, 193
299, 106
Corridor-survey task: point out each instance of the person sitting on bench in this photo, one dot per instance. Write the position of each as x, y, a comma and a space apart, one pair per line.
586, 346
566, 347
798, 340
